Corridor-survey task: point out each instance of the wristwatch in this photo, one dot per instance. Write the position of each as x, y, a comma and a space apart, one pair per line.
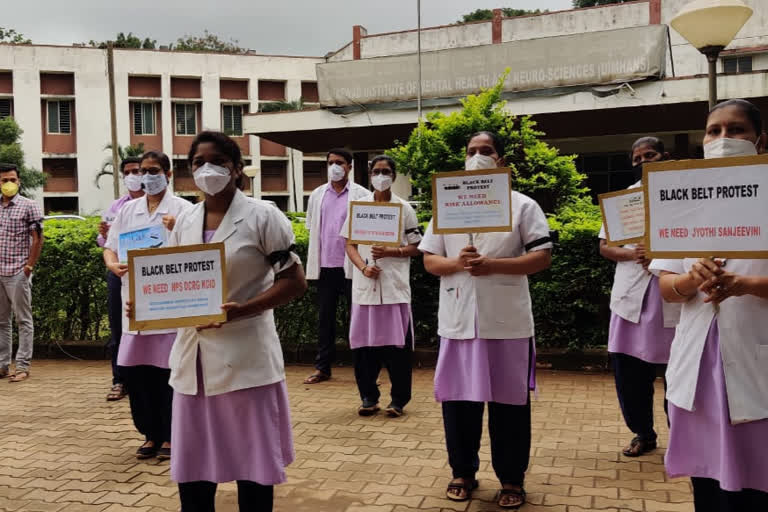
29, 267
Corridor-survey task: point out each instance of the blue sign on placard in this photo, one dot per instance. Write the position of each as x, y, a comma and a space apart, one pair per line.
148, 237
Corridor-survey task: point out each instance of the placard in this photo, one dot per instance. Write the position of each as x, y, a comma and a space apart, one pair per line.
623, 216
175, 287
375, 223
472, 201
147, 237
705, 208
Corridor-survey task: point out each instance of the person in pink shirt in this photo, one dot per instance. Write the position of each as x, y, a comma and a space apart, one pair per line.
129, 168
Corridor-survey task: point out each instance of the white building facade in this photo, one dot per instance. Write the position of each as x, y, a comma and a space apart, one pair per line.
598, 120
60, 98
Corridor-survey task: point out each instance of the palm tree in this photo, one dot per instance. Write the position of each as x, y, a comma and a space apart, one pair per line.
122, 154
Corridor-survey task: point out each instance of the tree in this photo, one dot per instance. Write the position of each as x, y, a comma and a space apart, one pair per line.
127, 41
487, 14
538, 170
122, 154
592, 3
11, 153
9, 35
207, 43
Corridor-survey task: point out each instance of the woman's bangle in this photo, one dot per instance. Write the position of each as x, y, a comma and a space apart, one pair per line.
677, 292
363, 269
400, 251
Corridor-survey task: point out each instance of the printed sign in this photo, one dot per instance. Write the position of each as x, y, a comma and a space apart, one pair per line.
148, 237
705, 208
623, 216
375, 223
177, 286
472, 201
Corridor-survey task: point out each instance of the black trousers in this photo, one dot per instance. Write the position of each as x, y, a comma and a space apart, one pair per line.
509, 427
200, 496
115, 316
635, 387
397, 361
331, 286
708, 497
151, 399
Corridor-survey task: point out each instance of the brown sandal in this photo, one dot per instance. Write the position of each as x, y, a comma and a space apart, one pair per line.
116, 393
468, 486
19, 376
316, 378
513, 493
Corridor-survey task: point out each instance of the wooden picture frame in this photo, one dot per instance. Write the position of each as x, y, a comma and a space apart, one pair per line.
506, 171
178, 322
693, 165
395, 206
611, 242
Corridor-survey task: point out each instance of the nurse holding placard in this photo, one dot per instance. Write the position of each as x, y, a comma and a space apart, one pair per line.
718, 383
485, 322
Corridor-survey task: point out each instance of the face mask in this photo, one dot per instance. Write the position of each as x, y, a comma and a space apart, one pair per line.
154, 184
133, 182
637, 171
723, 148
211, 178
381, 182
478, 161
336, 172
10, 189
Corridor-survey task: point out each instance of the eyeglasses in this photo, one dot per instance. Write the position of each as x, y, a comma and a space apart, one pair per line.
382, 172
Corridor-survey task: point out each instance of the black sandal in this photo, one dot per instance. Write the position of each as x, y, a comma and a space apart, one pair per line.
468, 486
639, 447
146, 452
519, 494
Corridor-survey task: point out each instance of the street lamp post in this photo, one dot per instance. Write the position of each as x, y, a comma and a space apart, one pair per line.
710, 26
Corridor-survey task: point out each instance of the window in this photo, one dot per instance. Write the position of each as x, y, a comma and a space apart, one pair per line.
6, 108
186, 119
232, 119
59, 120
737, 64
144, 119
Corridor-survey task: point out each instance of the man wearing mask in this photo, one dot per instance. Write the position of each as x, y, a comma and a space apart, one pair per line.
129, 168
21, 240
327, 260
642, 324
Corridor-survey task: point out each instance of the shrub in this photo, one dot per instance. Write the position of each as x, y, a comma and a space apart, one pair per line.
69, 292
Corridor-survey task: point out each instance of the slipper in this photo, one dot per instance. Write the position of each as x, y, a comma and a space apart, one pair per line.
468, 486
316, 378
639, 447
19, 376
146, 452
163, 453
519, 494
116, 393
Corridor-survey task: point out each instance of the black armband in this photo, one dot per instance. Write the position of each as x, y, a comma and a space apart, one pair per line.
281, 256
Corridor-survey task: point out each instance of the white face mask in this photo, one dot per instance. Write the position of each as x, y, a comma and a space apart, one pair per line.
478, 161
211, 178
133, 182
381, 182
724, 147
336, 172
153, 185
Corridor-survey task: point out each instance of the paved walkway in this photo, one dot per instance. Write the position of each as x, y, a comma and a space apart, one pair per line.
64, 448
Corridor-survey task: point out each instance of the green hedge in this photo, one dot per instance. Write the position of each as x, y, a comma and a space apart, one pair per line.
570, 301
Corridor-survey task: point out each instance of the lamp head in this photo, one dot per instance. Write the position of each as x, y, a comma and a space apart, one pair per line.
711, 25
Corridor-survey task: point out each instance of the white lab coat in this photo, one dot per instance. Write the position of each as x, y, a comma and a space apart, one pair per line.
393, 285
743, 327
355, 193
630, 282
134, 215
501, 302
245, 353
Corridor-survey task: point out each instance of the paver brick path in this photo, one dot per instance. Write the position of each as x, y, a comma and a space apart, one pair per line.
64, 448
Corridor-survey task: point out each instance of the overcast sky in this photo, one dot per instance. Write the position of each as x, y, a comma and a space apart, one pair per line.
293, 27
